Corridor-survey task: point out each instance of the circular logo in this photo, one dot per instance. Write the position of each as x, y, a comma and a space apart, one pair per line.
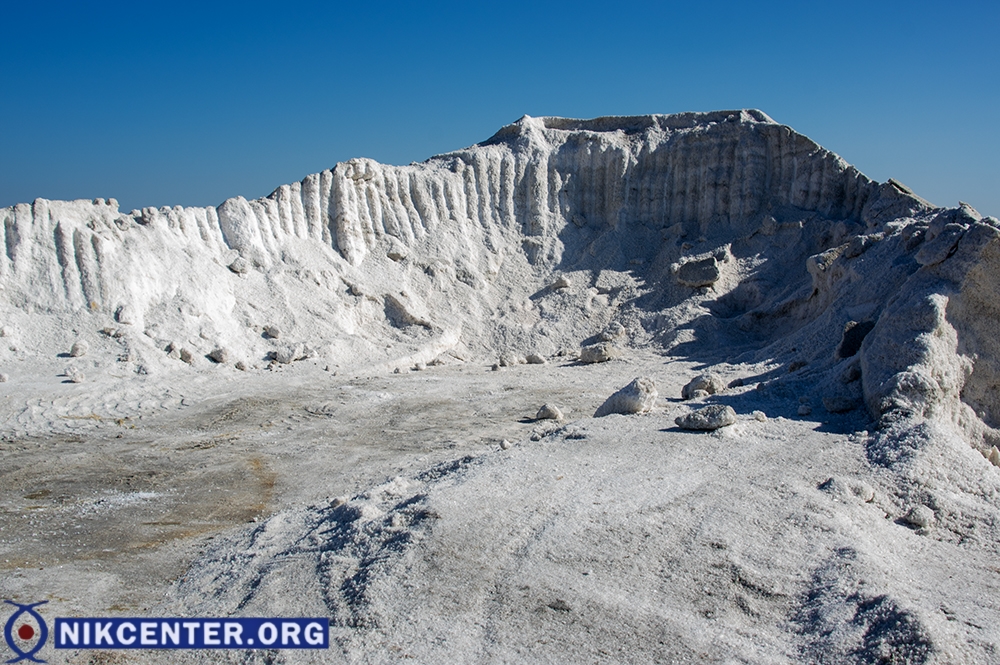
29, 624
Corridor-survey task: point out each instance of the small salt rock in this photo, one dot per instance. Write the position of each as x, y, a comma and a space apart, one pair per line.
549, 412
613, 332
709, 418
562, 282
397, 371
805, 410
536, 359
289, 353
240, 365
598, 353
505, 445
994, 456
708, 382
125, 315
274, 332
760, 416
74, 374
219, 355
508, 360
419, 367
495, 367
4, 378
736, 383
700, 394
78, 349
187, 356
239, 266
5, 331
920, 516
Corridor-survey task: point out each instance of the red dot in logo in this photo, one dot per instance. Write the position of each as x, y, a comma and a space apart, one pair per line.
25, 632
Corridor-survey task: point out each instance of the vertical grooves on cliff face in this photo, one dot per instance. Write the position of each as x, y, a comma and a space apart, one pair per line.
88, 266
541, 179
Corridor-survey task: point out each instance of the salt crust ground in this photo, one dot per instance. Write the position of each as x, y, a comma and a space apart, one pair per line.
144, 478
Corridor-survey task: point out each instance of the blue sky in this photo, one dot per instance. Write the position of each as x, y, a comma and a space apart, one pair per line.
190, 103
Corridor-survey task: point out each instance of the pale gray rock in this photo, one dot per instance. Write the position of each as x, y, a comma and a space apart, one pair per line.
614, 332
74, 374
639, 396
536, 359
79, 349
239, 265
289, 353
272, 331
561, 282
708, 382
598, 353
4, 378
549, 412
709, 418
920, 516
703, 272
219, 355
126, 315
186, 356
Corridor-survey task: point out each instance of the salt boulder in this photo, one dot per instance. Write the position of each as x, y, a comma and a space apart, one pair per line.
709, 418
708, 382
536, 359
637, 397
598, 353
79, 349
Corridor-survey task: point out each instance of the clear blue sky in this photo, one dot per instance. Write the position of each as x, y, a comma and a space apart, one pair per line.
158, 103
